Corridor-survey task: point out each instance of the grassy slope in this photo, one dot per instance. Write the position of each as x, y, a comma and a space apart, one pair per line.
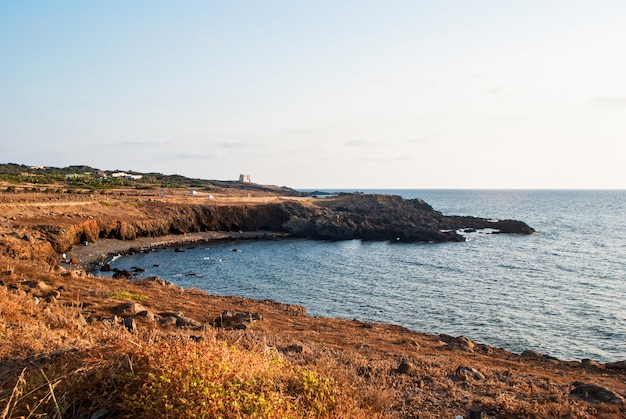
56, 355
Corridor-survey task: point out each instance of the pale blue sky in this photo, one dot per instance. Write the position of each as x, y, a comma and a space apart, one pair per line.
324, 94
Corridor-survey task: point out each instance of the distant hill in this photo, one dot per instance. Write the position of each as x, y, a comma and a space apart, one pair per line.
82, 176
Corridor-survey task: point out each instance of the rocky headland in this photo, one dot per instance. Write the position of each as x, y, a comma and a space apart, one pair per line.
67, 333
44, 231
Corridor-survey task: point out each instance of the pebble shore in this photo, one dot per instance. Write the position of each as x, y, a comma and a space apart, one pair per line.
92, 254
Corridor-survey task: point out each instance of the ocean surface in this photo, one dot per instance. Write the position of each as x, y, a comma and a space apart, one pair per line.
561, 292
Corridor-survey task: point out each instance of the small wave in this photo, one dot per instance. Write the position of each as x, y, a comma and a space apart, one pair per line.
213, 259
114, 258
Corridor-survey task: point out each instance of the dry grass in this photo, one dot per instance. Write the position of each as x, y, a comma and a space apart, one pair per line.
177, 378
58, 359
54, 364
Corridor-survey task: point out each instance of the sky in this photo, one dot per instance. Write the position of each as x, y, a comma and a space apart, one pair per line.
321, 94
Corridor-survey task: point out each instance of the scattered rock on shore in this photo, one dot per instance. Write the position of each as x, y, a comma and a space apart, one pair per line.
231, 320
595, 393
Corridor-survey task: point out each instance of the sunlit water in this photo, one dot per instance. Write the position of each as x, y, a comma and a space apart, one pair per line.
560, 292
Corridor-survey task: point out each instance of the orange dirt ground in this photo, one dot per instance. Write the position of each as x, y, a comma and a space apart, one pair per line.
417, 375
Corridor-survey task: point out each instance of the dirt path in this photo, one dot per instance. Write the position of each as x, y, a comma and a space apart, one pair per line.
47, 204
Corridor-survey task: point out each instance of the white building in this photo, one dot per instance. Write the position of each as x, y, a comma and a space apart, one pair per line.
244, 178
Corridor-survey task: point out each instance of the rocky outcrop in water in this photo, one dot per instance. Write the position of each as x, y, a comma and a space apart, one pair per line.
387, 217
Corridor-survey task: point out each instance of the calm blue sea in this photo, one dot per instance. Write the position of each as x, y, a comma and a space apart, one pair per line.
561, 292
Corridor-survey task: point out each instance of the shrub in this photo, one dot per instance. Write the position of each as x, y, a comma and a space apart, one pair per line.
176, 378
125, 295
185, 379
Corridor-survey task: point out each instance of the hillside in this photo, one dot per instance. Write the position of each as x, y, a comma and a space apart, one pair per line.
75, 345
86, 179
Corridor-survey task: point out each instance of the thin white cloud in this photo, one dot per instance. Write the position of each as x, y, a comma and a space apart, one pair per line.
299, 131
194, 156
510, 118
358, 143
609, 102
145, 143
419, 141
234, 144
384, 159
237, 144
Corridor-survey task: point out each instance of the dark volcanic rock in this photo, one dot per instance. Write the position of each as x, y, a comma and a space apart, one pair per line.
454, 222
385, 217
371, 217
618, 365
464, 373
595, 393
232, 320
122, 275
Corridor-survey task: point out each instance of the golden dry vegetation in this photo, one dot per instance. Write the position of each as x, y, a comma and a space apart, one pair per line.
66, 349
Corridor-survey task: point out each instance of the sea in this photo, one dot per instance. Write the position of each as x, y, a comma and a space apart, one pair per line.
561, 292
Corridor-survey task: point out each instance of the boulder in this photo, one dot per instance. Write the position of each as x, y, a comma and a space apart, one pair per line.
134, 309
589, 363
130, 324
465, 373
157, 280
54, 294
38, 286
537, 355
148, 315
182, 321
460, 342
618, 365
595, 393
122, 275
178, 319
232, 320
294, 348
111, 321
168, 321
406, 368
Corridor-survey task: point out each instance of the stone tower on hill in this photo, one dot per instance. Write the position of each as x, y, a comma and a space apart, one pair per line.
244, 178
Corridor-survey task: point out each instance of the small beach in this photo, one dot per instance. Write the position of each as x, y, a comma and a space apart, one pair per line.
92, 254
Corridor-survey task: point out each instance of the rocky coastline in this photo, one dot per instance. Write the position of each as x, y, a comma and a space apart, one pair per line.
395, 372
345, 217
92, 256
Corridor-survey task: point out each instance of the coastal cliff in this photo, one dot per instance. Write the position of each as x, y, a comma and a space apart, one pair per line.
343, 217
